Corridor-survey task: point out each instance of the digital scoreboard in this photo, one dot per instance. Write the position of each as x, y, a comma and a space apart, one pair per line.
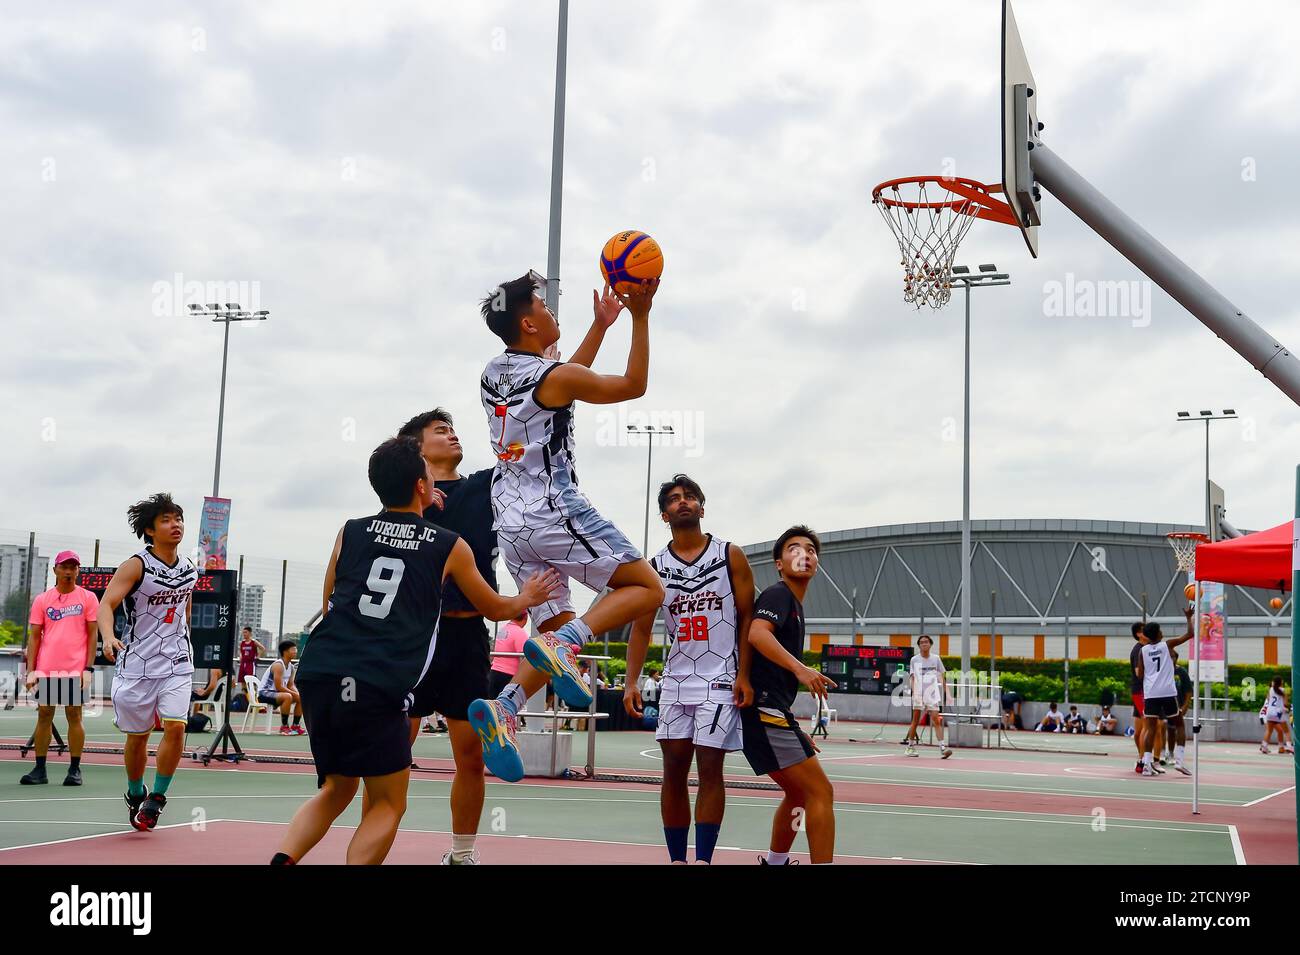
212, 617
874, 670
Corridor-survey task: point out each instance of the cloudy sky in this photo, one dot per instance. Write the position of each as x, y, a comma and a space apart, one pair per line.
366, 172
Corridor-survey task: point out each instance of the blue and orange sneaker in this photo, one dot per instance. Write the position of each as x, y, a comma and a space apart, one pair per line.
555, 658
495, 727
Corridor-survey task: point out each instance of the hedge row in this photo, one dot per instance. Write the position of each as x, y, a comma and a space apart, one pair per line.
1043, 680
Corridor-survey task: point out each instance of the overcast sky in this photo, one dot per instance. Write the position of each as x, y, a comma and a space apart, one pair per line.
366, 172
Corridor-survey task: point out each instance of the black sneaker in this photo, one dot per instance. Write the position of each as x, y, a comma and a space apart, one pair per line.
36, 777
133, 804
149, 812
74, 776
762, 860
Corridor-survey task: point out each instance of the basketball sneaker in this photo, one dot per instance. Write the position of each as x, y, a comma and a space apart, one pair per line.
1263, 748
945, 752
1147, 770
449, 859
496, 731
133, 804
556, 659
150, 810
1182, 769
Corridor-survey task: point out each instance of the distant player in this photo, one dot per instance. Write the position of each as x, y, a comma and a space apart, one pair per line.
708, 603
154, 664
774, 744
929, 683
1159, 691
1176, 726
1135, 685
542, 519
376, 639
279, 690
1277, 718
249, 650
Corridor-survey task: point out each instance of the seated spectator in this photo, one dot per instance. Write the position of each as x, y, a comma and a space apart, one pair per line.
1074, 722
1011, 701
1107, 725
279, 689
215, 677
1053, 721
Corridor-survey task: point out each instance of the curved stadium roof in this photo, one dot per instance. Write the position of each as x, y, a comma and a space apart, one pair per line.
905, 571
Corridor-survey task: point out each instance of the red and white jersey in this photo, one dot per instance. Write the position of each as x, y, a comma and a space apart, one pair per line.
157, 637
535, 482
699, 612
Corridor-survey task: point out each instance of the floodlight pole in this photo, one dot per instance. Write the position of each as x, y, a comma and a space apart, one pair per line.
557, 163
988, 275
1273, 360
230, 312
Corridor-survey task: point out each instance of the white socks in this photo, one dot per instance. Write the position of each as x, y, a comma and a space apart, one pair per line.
777, 858
462, 846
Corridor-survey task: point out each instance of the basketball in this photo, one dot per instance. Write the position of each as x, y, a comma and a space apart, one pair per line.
1276, 603
629, 259
1190, 591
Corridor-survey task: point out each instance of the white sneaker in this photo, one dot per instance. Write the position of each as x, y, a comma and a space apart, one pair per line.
945, 753
1263, 748
471, 859
911, 751
1182, 769
1147, 770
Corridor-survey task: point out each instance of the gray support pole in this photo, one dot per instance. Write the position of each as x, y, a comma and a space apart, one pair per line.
965, 514
284, 576
1196, 706
1247, 339
221, 410
27, 602
557, 163
591, 724
993, 640
1066, 594
95, 562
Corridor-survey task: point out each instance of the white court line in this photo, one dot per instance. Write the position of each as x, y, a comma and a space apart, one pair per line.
97, 835
1237, 851
1256, 802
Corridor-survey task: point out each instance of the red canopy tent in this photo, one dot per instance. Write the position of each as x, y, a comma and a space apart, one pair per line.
1262, 559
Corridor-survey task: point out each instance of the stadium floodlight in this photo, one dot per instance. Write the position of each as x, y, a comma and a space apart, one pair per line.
1207, 416
230, 312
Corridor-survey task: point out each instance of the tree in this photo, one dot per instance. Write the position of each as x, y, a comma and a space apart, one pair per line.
15, 607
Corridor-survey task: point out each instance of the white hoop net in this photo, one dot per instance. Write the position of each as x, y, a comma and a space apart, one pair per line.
927, 236
1184, 546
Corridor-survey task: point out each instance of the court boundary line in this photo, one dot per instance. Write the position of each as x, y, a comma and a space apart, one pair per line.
1237, 851
1256, 802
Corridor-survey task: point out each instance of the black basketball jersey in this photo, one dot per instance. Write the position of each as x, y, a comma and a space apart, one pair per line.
382, 620
774, 686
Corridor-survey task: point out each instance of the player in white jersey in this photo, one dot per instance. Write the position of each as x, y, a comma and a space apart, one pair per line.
929, 685
708, 600
543, 521
1159, 688
154, 662
1276, 715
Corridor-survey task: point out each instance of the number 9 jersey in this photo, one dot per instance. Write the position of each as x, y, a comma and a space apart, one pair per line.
382, 621
699, 612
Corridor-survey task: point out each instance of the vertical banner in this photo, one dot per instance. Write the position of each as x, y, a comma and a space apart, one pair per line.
214, 529
1210, 655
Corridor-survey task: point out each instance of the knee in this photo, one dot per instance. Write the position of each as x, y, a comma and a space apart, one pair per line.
469, 758
45, 714
73, 714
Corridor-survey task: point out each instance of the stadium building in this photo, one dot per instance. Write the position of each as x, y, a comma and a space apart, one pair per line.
1032, 582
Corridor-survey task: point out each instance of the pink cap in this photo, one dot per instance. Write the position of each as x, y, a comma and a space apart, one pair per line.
67, 555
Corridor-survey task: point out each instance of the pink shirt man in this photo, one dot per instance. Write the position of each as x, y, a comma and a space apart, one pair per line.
512, 640
63, 619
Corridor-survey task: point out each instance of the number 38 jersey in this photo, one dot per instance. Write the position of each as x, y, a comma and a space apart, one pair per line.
699, 612
381, 624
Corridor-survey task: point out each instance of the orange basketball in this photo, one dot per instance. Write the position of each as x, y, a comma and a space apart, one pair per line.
1190, 591
1276, 603
629, 259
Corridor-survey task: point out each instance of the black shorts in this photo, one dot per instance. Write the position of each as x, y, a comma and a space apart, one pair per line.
1160, 707
459, 673
498, 681
59, 691
355, 730
773, 742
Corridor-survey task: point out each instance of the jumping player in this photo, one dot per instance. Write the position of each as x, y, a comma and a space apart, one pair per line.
929, 691
541, 518
375, 642
154, 665
708, 601
774, 744
1159, 692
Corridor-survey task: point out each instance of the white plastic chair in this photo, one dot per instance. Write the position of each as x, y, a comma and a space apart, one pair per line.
216, 703
251, 686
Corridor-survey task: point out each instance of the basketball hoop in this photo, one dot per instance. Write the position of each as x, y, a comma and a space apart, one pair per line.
1184, 545
929, 216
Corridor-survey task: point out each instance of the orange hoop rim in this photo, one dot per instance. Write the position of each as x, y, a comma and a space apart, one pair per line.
976, 200
1188, 535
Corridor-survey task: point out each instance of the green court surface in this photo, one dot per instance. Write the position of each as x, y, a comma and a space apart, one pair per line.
1081, 805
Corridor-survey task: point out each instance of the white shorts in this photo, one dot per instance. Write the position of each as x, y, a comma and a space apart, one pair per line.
1275, 716
715, 725
137, 701
584, 547
930, 698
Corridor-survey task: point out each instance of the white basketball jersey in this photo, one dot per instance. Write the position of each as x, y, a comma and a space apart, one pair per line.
699, 612
1157, 672
927, 678
1276, 702
534, 481
157, 637
268, 678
